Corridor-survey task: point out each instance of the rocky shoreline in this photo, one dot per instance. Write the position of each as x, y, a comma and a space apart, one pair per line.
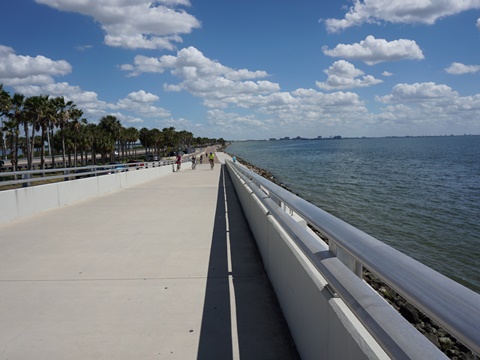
450, 346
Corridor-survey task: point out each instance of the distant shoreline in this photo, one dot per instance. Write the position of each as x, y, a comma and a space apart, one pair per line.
339, 137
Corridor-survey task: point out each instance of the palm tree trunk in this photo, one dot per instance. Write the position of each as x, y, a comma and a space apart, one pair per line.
93, 156
27, 145
42, 151
63, 147
75, 150
32, 144
52, 150
50, 144
15, 151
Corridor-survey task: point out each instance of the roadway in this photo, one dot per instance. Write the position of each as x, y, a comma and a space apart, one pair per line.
164, 270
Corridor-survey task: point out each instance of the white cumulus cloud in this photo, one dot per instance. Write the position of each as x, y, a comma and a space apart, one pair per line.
18, 70
427, 105
141, 102
399, 11
217, 84
135, 24
235, 123
419, 92
460, 69
373, 51
241, 90
343, 75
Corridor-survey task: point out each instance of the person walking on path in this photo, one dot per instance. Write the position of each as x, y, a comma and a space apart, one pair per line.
193, 159
179, 161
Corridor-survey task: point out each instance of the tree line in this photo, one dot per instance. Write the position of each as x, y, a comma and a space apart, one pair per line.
39, 123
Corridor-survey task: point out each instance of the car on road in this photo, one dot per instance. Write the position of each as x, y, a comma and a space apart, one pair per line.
84, 173
151, 157
138, 164
115, 167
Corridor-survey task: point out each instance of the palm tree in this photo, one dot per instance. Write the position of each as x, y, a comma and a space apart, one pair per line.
75, 125
83, 142
157, 140
170, 137
185, 138
133, 136
37, 144
3, 143
104, 144
5, 101
26, 119
35, 108
111, 127
49, 123
123, 141
44, 114
63, 115
13, 126
150, 140
43, 125
91, 131
5, 106
143, 137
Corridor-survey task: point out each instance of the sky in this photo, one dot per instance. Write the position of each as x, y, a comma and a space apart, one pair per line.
253, 69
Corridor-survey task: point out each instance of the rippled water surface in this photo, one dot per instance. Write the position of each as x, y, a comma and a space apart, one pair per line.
419, 195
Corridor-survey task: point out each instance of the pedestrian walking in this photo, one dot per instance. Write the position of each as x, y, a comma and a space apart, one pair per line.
179, 161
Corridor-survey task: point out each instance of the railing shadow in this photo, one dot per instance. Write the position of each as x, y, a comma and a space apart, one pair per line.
260, 328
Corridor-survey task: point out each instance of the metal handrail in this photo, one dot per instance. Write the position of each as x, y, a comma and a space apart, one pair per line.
450, 304
75, 172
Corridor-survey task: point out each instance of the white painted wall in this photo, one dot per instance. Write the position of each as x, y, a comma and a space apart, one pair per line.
18, 203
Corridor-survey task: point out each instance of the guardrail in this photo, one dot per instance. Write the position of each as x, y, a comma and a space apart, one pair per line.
27, 177
453, 306
69, 185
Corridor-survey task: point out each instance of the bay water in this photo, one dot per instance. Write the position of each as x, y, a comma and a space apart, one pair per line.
420, 195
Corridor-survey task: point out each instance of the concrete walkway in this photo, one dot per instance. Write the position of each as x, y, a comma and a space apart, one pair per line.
164, 270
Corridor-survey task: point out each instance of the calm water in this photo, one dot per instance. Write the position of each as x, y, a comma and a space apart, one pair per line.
419, 195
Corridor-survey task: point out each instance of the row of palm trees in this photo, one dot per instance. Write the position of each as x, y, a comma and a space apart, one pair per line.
35, 124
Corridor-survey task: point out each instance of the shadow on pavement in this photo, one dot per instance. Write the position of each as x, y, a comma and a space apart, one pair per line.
260, 326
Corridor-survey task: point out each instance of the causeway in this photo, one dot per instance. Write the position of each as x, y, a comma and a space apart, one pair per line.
167, 269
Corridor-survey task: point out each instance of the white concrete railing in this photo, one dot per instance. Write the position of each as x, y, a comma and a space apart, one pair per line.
331, 312
25, 201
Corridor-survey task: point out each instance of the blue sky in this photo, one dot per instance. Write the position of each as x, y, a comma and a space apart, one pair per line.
253, 69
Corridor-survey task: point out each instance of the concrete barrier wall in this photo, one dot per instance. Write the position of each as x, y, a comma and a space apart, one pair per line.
322, 326
18, 203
